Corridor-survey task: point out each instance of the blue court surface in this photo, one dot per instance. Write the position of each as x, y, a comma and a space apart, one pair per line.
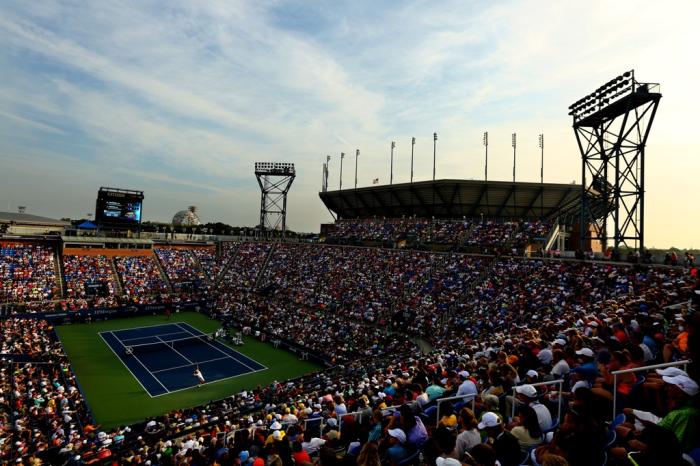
163, 358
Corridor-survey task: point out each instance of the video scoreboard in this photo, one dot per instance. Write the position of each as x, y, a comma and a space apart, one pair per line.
118, 207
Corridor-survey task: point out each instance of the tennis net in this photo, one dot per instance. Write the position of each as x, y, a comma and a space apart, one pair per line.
160, 344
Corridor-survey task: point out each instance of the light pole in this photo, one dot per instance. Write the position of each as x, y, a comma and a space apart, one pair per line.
323, 177
514, 144
486, 173
486, 156
391, 169
328, 167
342, 156
413, 143
541, 141
357, 154
434, 151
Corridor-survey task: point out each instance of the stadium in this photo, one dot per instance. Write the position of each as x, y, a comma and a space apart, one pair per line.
404, 314
443, 322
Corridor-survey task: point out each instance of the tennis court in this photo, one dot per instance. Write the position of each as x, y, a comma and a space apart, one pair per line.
162, 358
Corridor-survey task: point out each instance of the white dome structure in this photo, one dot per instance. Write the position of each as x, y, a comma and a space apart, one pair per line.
187, 218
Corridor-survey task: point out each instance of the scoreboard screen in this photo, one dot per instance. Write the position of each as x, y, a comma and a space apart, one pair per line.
119, 207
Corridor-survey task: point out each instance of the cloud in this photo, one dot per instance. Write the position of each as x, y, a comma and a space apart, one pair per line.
30, 123
182, 97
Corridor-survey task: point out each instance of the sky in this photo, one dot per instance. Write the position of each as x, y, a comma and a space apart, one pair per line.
180, 98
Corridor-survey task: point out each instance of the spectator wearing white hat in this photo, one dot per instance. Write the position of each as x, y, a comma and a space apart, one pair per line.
527, 394
396, 451
683, 418
503, 442
467, 387
654, 386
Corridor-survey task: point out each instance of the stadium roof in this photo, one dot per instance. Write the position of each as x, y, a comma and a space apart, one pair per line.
28, 219
453, 199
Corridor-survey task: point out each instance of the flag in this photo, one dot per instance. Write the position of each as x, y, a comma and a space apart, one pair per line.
375, 181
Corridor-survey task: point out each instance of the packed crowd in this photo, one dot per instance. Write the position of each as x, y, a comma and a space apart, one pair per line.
384, 410
27, 272
530, 230
497, 324
90, 280
214, 262
364, 284
481, 235
375, 229
141, 278
41, 409
182, 269
516, 292
317, 330
249, 261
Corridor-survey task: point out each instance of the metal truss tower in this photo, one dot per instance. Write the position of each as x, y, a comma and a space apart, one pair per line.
612, 127
274, 179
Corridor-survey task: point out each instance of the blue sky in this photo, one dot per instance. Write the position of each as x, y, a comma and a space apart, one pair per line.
179, 98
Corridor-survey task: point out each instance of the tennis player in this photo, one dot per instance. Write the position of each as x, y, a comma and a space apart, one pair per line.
198, 374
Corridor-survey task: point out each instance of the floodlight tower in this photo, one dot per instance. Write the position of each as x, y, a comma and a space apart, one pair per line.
612, 126
274, 179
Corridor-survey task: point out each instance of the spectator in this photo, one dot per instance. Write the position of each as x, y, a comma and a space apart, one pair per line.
528, 431
505, 445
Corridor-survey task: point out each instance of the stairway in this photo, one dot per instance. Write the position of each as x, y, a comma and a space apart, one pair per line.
464, 236
58, 269
198, 263
163, 275
227, 266
261, 272
117, 278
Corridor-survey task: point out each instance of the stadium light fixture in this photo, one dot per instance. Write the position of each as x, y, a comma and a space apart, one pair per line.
604, 95
342, 156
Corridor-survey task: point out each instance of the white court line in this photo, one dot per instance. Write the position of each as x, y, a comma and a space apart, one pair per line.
173, 348
143, 326
187, 365
209, 383
127, 367
226, 354
150, 336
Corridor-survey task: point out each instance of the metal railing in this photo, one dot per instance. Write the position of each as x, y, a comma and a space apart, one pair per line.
452, 398
683, 363
559, 382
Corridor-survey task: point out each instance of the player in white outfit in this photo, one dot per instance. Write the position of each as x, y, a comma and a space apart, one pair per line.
198, 374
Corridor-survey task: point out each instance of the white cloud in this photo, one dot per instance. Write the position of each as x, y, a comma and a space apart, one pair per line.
206, 88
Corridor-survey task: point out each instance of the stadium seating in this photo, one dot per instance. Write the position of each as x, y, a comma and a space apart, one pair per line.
182, 268
42, 409
27, 272
493, 322
487, 236
246, 265
141, 278
89, 281
212, 262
